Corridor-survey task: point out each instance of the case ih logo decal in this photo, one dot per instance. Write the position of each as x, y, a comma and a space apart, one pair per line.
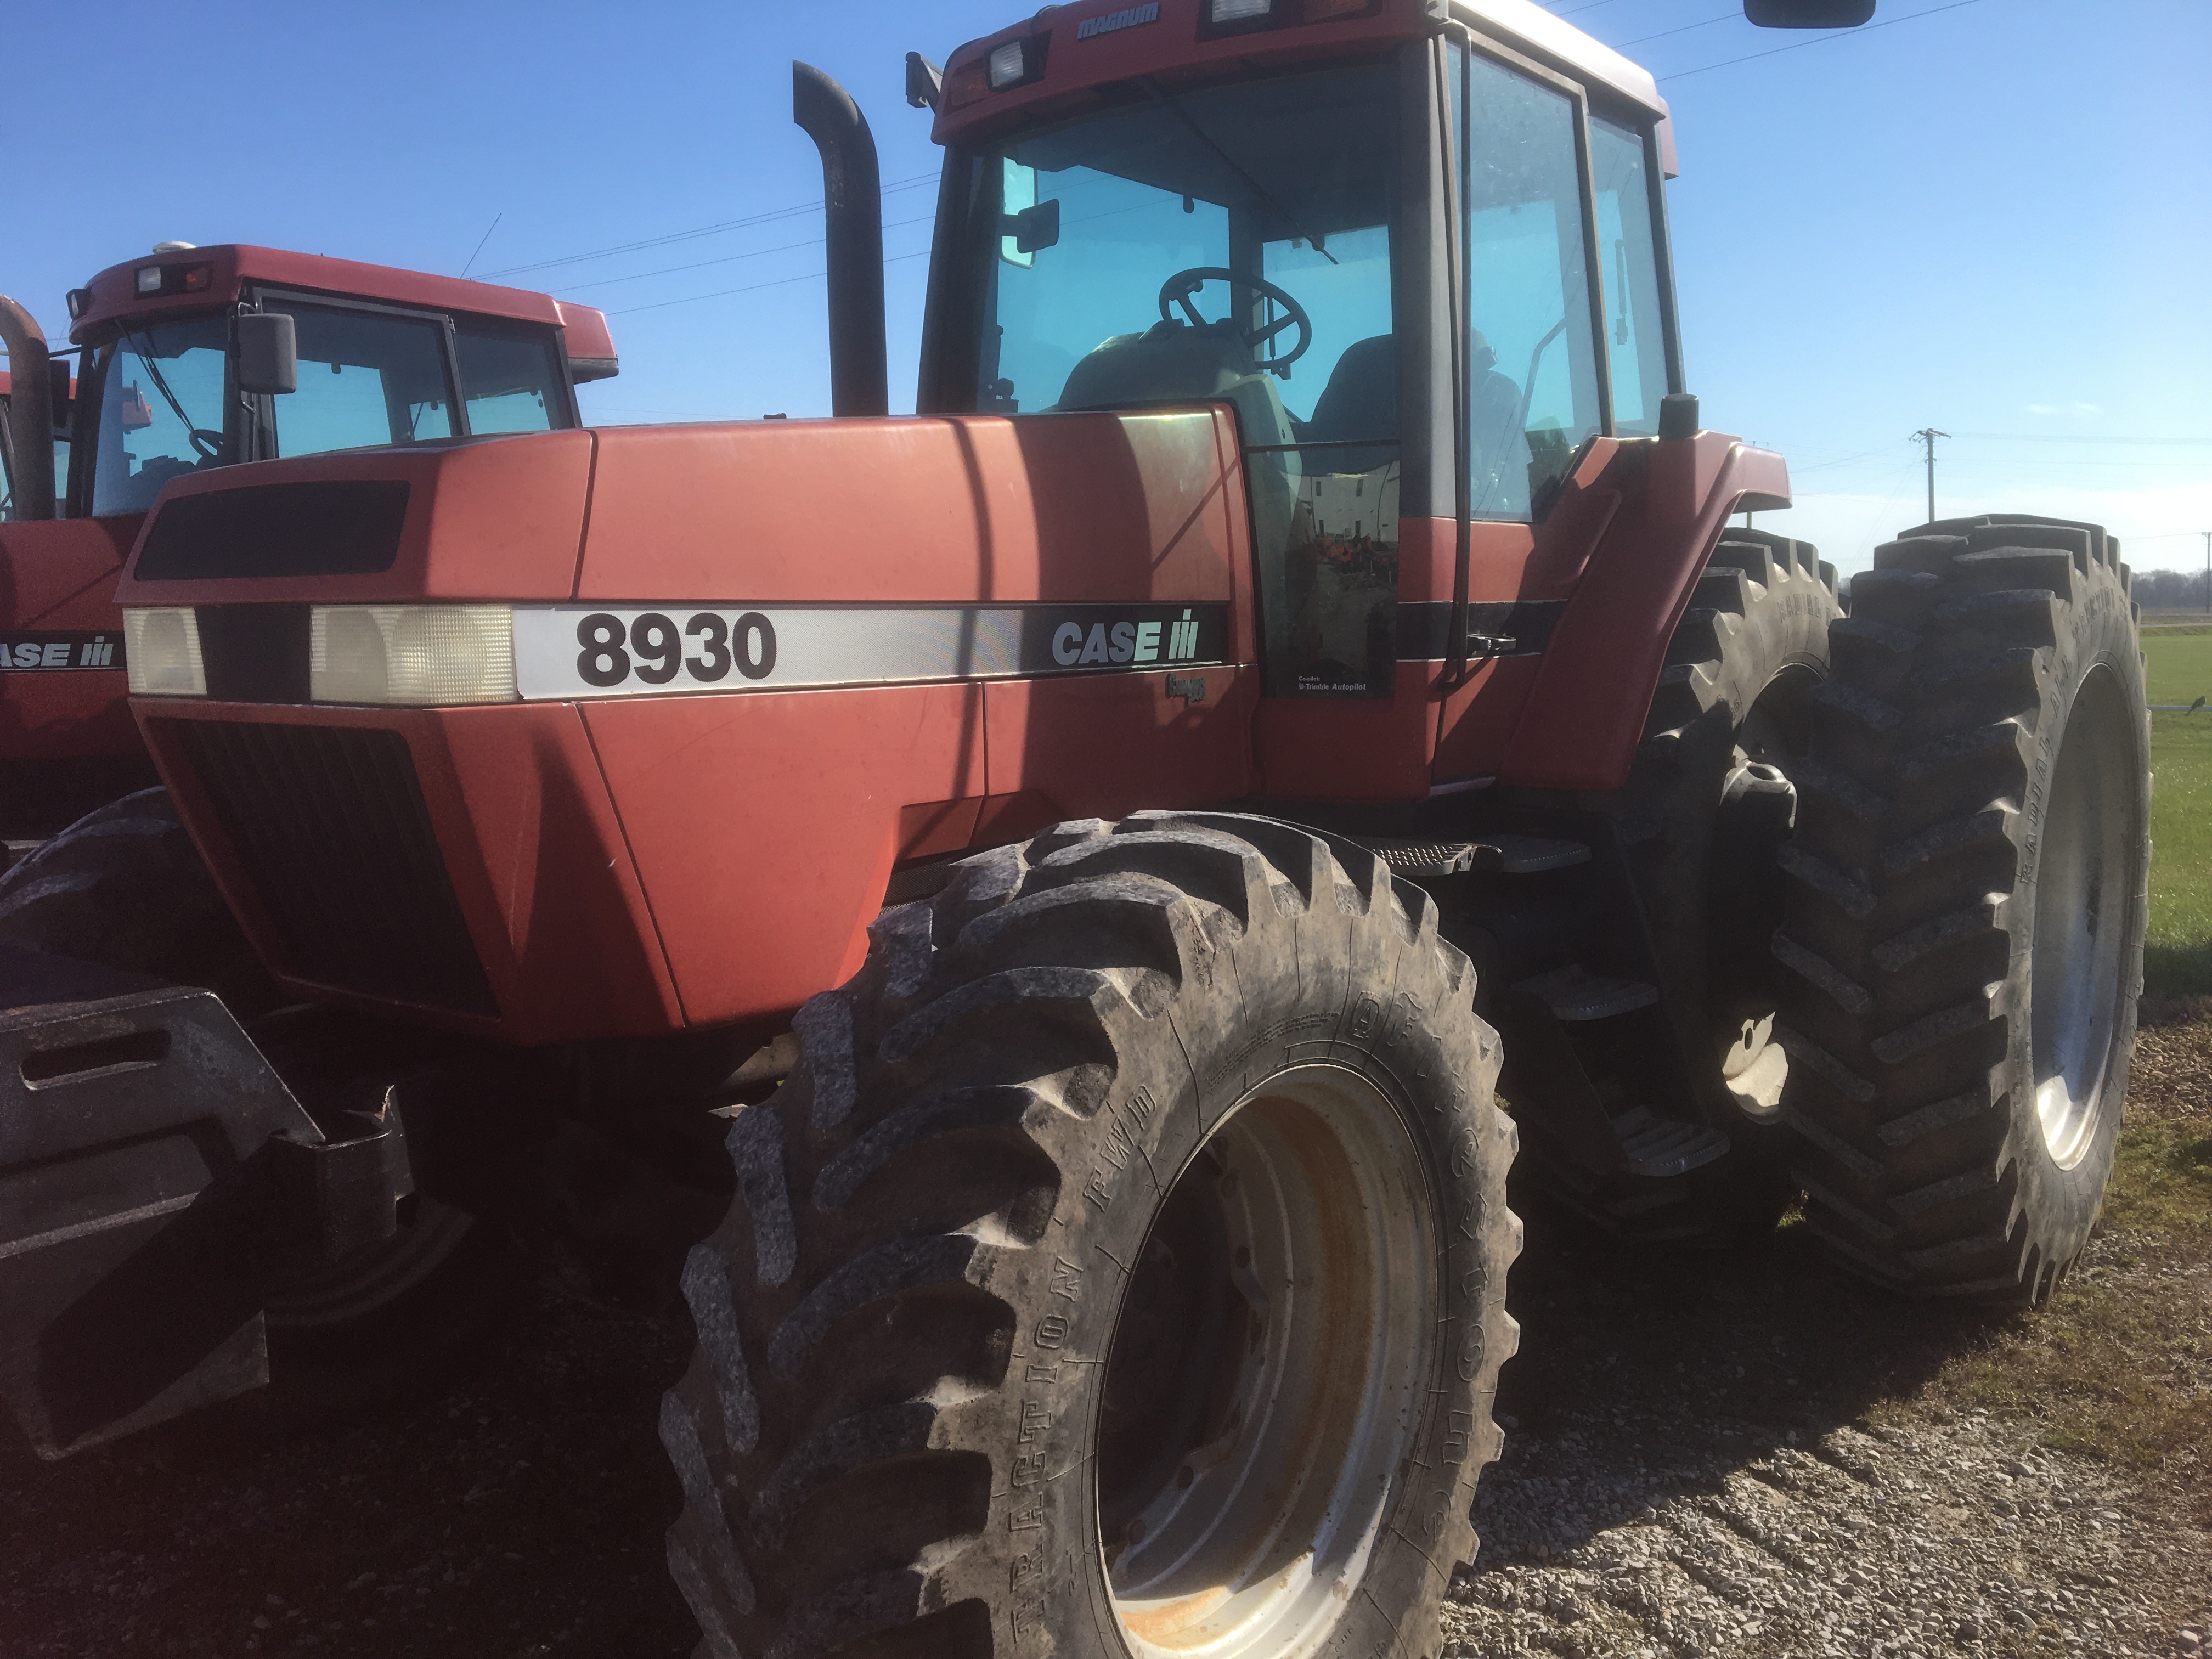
1127, 18
19, 653
579, 651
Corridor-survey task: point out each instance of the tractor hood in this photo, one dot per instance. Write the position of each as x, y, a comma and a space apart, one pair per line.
934, 524
925, 510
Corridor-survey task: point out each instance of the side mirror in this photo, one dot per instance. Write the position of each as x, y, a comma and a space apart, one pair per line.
1034, 228
268, 353
924, 82
1807, 13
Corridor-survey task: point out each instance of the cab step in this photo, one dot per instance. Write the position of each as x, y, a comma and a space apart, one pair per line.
1659, 1147
1573, 993
1512, 855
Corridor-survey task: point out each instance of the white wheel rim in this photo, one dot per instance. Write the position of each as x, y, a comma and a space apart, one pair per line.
1258, 1536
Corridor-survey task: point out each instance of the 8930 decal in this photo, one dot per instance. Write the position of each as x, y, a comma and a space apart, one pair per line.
706, 649
600, 651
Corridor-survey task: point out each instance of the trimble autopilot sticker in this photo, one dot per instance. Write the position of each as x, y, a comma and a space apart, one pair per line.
588, 651
29, 652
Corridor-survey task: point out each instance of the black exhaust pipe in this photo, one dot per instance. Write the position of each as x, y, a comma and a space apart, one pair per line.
31, 409
853, 231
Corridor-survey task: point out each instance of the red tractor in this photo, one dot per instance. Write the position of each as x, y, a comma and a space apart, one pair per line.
1024, 912
171, 347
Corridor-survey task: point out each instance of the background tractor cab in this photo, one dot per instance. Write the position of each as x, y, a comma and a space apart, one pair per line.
200, 358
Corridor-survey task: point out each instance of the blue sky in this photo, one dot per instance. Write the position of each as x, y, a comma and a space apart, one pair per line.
1993, 219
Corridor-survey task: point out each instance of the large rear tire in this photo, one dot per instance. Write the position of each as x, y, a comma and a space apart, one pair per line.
1966, 916
1121, 1271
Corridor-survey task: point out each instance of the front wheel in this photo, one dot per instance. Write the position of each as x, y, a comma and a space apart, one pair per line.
1121, 1272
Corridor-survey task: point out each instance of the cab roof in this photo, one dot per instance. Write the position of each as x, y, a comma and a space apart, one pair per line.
193, 279
1092, 43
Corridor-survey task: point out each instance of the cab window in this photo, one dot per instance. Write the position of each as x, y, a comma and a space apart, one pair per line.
1225, 243
367, 378
160, 410
510, 380
1629, 266
1535, 391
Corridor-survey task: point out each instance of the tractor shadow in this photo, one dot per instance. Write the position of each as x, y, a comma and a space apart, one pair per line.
1646, 1373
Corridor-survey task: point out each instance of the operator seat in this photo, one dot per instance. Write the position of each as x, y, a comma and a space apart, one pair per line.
1360, 401
1173, 363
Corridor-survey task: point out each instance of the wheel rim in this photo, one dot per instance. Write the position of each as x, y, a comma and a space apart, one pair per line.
373, 1277
1265, 1380
2083, 890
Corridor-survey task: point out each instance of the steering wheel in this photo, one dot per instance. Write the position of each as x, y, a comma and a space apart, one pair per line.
1182, 288
209, 444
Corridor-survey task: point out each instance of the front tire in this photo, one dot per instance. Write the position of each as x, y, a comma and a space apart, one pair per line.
125, 887
1121, 1271
1966, 911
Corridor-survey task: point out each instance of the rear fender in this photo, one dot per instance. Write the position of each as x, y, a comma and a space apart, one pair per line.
1585, 714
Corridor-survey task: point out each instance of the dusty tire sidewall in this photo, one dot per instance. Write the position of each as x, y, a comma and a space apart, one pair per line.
1158, 1118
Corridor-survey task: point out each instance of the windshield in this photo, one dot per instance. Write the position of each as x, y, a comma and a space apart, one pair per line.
1229, 242
160, 411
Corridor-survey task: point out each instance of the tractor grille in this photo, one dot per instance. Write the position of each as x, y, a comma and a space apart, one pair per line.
331, 828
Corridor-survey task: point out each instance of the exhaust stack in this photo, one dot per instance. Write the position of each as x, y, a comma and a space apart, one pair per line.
31, 408
853, 232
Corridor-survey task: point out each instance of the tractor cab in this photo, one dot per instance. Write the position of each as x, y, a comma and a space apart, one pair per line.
182, 378
1272, 225
198, 358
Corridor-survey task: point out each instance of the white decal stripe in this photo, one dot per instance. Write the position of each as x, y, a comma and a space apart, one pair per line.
784, 647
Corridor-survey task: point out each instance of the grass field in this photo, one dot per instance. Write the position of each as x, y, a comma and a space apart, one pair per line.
2177, 954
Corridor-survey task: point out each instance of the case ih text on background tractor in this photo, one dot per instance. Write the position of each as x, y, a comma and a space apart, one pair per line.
1294, 677
193, 360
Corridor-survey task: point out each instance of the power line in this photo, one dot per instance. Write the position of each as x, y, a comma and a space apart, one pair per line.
1819, 41
753, 288
1725, 17
697, 231
732, 259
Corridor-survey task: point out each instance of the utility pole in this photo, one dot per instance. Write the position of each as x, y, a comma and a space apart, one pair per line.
1928, 435
2208, 572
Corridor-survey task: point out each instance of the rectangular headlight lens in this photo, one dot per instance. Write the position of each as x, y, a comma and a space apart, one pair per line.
424, 655
161, 651
1237, 11
1008, 65
147, 279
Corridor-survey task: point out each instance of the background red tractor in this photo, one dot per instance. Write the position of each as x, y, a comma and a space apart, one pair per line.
1300, 642
180, 376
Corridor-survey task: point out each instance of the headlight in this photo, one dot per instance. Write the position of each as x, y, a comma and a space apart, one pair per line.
161, 651
424, 654
1009, 64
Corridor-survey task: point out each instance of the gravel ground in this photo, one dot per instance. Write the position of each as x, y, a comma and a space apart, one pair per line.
1753, 1488
1751, 1455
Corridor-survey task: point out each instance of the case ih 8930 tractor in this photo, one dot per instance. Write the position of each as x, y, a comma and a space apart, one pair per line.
1295, 681
182, 352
